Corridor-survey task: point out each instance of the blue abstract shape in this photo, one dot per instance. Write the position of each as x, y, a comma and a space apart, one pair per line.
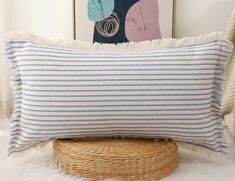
99, 10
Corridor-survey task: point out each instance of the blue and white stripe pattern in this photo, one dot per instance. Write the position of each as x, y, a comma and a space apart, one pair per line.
63, 92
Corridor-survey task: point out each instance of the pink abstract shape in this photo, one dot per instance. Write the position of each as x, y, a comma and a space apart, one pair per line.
142, 21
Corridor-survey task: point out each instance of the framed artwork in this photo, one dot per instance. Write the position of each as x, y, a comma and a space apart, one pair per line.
116, 21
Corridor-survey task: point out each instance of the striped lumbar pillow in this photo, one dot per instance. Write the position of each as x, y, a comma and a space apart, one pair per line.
155, 89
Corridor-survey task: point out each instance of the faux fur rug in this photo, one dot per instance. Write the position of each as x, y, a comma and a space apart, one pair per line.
37, 165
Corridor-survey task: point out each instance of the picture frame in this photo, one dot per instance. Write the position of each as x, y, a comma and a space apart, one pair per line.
113, 21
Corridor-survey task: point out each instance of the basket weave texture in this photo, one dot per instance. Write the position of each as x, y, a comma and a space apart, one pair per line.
121, 159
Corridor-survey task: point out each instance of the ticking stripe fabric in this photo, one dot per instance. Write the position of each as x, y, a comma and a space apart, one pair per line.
155, 89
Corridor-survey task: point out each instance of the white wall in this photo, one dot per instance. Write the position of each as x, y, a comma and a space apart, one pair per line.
196, 17
53, 18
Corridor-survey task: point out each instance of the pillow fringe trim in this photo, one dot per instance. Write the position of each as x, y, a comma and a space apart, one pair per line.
76, 44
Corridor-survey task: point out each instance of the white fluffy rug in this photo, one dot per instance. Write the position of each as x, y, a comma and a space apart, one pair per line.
37, 165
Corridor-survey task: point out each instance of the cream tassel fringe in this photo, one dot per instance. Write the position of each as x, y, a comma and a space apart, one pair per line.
138, 46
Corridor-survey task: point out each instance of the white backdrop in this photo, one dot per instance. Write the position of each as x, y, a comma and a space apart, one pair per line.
196, 17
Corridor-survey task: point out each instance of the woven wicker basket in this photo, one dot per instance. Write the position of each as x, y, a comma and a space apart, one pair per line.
122, 159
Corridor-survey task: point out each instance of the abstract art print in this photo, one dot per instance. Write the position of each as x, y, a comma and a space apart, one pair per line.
117, 21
